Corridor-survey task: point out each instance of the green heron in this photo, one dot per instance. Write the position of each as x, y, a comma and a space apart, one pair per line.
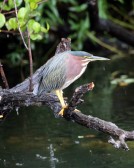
62, 70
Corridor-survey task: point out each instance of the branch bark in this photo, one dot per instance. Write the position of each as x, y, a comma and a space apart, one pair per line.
3, 76
19, 96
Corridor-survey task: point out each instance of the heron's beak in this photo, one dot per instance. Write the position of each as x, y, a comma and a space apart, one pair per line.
95, 58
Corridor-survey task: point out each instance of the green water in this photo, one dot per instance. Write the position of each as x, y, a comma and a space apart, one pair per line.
35, 139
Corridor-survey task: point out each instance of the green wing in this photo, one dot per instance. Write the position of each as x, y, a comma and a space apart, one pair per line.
54, 74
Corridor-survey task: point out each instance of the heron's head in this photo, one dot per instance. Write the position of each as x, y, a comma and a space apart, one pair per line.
87, 56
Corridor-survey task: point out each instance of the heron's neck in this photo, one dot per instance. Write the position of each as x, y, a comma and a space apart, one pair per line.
81, 61
77, 65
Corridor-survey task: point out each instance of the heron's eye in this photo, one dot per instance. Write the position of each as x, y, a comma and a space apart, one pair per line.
86, 57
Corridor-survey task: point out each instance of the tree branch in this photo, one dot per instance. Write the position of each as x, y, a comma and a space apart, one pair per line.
15, 6
30, 62
19, 96
3, 76
12, 100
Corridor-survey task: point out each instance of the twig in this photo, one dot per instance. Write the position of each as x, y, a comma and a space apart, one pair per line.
76, 99
64, 45
11, 32
3, 77
120, 143
30, 62
27, 47
9, 12
19, 25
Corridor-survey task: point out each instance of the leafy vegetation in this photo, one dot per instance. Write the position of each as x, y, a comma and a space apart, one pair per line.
25, 18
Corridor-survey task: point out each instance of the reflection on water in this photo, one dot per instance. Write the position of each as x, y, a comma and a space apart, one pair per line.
34, 138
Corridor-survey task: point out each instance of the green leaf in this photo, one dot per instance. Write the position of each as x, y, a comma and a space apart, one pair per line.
22, 13
2, 20
35, 1
35, 13
78, 8
33, 5
34, 26
11, 3
103, 6
121, 1
12, 24
8, 26
22, 25
27, 1
35, 36
45, 30
18, 2
5, 7
30, 25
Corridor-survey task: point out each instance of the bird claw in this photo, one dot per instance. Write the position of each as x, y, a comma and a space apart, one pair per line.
61, 113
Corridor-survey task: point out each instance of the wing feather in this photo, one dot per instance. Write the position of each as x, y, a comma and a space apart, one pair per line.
54, 74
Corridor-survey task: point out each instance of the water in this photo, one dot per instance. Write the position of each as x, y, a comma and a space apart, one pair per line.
33, 138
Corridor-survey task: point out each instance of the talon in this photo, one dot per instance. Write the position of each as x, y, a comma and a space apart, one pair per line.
61, 113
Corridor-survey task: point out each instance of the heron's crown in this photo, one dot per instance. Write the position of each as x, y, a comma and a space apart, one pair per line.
87, 55
80, 53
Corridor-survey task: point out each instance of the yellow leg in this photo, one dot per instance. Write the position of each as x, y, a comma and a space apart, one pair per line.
60, 96
59, 93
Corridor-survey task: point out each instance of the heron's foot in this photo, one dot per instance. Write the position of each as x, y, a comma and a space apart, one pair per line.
61, 113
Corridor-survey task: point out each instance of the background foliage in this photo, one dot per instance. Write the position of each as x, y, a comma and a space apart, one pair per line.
50, 20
